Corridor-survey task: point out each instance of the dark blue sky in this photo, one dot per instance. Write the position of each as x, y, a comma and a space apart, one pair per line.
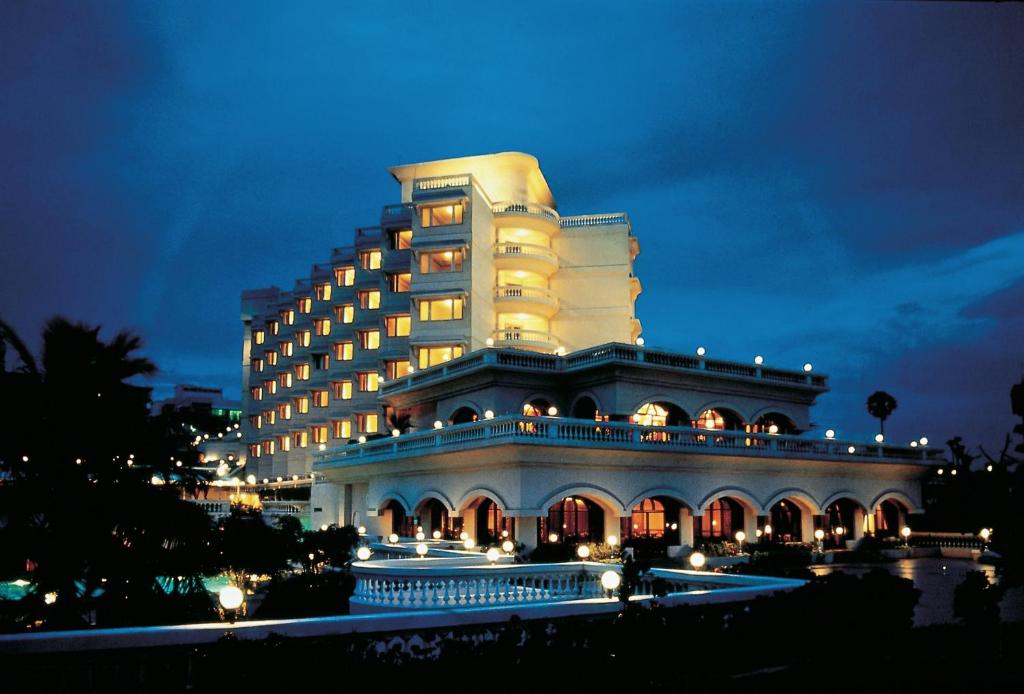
838, 183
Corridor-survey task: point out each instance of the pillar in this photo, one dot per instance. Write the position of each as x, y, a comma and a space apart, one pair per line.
469, 522
325, 504
857, 531
807, 525
526, 532
750, 524
685, 527
612, 526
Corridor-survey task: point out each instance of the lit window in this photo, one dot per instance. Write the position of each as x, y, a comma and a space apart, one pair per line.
710, 419
305, 304
399, 282
369, 299
322, 291
369, 339
429, 356
319, 398
288, 316
254, 450
342, 428
270, 386
366, 422
256, 421
322, 326
270, 416
258, 336
396, 369
321, 362
268, 447
303, 337
274, 326
345, 276
369, 382
441, 215
343, 351
651, 415
302, 372
257, 365
400, 239
271, 356
441, 309
284, 442
285, 379
370, 260
319, 434
300, 439
302, 404
342, 390
441, 261
287, 349
344, 313
256, 392
397, 326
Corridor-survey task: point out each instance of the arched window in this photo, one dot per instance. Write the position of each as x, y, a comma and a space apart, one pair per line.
489, 522
464, 415
720, 521
536, 408
888, 518
659, 414
773, 423
648, 519
573, 519
585, 408
785, 521
717, 420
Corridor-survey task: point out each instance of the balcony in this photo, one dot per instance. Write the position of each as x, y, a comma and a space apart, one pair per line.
526, 215
525, 339
525, 256
519, 299
583, 433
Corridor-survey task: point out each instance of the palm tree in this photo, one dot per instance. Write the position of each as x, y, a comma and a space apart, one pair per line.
880, 406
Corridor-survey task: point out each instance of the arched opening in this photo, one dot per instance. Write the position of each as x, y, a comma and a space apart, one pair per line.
889, 517
843, 518
538, 407
785, 519
585, 408
433, 515
720, 521
484, 521
464, 415
395, 520
572, 520
774, 423
660, 414
653, 525
718, 419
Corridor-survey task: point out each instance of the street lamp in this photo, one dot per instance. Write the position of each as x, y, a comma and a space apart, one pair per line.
508, 546
697, 560
436, 534
610, 581
905, 532
740, 538
468, 544
583, 552
819, 535
421, 549
493, 554
231, 599
363, 553
393, 538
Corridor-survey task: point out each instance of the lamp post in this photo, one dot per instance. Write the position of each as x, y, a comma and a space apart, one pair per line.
697, 561
610, 581
740, 539
231, 598
819, 535
985, 534
905, 532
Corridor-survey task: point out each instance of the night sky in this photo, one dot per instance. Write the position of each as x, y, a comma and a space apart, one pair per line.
841, 184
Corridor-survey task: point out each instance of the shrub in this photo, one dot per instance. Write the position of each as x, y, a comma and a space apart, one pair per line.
307, 595
976, 602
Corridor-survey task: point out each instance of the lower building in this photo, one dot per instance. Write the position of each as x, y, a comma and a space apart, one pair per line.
616, 440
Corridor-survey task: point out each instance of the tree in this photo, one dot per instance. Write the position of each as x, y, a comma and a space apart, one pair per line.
880, 406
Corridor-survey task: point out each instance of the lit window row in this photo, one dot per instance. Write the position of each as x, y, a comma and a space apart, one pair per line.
441, 215
442, 261
441, 309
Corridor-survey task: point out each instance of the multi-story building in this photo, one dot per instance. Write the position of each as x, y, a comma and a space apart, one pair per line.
475, 255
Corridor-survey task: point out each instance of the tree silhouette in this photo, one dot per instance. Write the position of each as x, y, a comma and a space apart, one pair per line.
880, 406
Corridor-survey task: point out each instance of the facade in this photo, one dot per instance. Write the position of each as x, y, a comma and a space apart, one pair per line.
474, 255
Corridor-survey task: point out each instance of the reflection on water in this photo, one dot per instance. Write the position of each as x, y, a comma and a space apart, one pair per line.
936, 579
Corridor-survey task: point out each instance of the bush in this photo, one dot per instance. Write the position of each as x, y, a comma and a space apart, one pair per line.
976, 602
307, 595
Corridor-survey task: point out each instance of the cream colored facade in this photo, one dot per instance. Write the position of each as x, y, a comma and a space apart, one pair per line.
474, 256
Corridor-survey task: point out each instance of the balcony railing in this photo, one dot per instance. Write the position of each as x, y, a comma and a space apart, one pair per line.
441, 182
524, 209
526, 249
512, 337
593, 220
531, 294
607, 354
582, 433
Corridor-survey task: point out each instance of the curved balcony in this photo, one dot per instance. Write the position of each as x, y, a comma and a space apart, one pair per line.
525, 339
518, 299
525, 256
525, 215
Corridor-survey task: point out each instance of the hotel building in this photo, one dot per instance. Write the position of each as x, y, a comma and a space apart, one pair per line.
472, 365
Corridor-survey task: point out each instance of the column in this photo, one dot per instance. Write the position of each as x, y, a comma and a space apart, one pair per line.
857, 531
685, 528
526, 532
806, 525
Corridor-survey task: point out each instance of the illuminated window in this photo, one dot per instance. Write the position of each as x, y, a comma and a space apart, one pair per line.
319, 398
400, 239
303, 337
396, 369
369, 339
284, 442
322, 326
322, 291
441, 261
257, 365
268, 447
342, 390
302, 372
271, 356
319, 433
651, 415
441, 215
300, 439
254, 450
370, 260
270, 416
285, 379
256, 392
648, 519
305, 304
256, 421
369, 381
288, 316
302, 404
258, 336
270, 386
710, 419
369, 299
274, 326
286, 349
345, 276
719, 520
441, 309
399, 282
343, 351
344, 313
322, 361
366, 422
397, 326
341, 428
429, 356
